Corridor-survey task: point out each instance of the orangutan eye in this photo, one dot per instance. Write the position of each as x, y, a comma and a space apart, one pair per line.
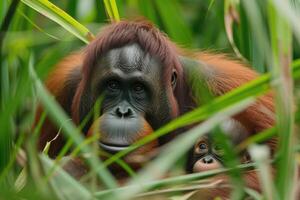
138, 88
113, 85
201, 148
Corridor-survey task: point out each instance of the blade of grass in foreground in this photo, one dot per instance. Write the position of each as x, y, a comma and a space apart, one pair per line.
112, 10
63, 184
56, 14
67, 127
167, 157
174, 180
6, 128
281, 41
8, 110
261, 155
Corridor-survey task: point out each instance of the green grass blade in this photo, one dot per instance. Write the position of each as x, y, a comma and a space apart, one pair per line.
112, 10
174, 180
56, 14
281, 41
72, 189
257, 138
58, 115
261, 155
37, 26
174, 25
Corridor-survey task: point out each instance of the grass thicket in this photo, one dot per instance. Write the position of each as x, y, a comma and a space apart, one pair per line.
36, 34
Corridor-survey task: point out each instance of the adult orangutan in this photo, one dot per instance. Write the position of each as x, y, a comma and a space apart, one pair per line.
142, 75
144, 80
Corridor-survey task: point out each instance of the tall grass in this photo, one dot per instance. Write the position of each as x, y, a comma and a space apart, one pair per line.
36, 34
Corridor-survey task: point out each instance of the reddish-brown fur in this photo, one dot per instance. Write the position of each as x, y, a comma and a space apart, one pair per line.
225, 75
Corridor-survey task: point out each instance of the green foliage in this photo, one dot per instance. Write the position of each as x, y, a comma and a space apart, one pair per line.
265, 34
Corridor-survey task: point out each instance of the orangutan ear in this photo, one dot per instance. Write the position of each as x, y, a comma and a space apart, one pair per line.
174, 79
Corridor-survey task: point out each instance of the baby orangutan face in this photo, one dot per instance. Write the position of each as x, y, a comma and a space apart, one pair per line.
208, 154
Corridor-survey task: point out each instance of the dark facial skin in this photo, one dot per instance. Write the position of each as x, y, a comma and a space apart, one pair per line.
135, 95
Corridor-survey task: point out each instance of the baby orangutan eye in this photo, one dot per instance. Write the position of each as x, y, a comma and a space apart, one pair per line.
201, 148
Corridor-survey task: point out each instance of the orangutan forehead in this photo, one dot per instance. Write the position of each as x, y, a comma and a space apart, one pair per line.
131, 58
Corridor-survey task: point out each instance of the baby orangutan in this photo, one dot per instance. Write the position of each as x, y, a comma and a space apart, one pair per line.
207, 154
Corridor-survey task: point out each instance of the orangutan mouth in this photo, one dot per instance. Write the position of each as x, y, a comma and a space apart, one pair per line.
112, 147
